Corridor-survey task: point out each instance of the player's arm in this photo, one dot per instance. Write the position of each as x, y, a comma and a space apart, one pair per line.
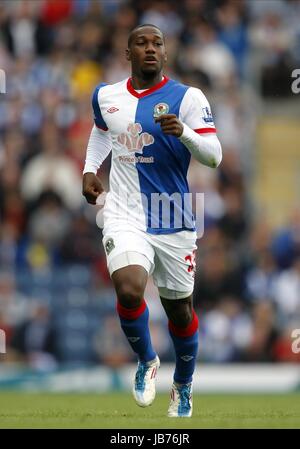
195, 129
99, 147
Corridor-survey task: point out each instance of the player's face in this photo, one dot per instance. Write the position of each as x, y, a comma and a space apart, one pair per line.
147, 52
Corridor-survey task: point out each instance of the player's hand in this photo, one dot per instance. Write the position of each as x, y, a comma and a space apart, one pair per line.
91, 187
170, 124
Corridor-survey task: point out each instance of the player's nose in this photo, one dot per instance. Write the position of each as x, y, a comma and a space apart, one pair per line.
150, 48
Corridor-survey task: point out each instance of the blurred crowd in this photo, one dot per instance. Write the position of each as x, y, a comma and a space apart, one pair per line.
57, 305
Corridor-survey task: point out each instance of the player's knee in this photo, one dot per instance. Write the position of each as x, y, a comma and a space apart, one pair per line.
130, 295
182, 317
185, 318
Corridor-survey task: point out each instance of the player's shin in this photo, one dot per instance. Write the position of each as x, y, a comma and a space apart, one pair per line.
135, 325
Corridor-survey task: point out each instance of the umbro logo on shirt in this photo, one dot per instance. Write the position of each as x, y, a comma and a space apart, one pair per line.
112, 110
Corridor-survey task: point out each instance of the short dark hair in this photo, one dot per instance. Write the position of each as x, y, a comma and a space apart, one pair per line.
142, 26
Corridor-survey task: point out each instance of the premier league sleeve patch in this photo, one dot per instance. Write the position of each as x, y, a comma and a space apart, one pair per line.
207, 115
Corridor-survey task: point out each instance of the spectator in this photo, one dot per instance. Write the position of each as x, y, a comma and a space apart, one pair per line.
52, 170
34, 339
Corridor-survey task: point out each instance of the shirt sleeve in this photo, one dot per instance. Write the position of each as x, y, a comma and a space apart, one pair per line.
195, 112
98, 119
206, 148
98, 149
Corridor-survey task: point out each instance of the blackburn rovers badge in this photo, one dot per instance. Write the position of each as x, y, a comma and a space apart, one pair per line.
160, 109
109, 246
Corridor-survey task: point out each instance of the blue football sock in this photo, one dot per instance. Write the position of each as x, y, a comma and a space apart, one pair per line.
135, 324
185, 342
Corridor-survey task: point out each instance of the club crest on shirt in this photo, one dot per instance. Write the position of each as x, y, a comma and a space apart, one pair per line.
160, 109
207, 115
109, 246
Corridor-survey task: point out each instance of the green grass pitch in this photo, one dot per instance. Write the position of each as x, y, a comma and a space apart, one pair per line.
118, 411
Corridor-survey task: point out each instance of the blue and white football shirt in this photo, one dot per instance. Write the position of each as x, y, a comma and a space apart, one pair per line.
148, 177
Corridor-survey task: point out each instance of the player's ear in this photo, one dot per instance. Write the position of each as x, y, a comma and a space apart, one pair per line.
127, 53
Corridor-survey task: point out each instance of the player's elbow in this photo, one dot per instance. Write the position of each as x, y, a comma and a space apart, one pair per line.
216, 160
216, 157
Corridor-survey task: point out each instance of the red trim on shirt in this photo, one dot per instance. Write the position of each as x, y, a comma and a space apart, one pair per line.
205, 130
147, 91
131, 314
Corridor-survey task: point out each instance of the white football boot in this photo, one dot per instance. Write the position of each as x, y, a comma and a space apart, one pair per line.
181, 404
144, 382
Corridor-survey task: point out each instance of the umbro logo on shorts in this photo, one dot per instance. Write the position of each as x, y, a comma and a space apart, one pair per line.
133, 339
